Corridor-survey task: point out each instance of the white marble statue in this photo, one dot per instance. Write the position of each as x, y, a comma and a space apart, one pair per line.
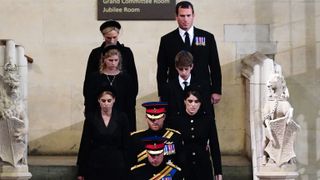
12, 118
279, 127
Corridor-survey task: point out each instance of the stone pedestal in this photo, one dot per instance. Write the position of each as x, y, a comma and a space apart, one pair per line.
277, 175
14, 173
273, 172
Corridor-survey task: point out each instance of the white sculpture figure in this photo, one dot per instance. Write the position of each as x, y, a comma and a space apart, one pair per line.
12, 116
280, 128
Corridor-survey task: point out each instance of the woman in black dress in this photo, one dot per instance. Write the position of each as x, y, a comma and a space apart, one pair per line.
110, 74
198, 132
104, 142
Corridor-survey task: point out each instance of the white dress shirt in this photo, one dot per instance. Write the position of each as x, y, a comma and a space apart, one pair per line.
190, 32
182, 80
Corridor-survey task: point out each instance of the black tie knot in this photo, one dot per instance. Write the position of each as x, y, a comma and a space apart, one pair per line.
187, 39
185, 83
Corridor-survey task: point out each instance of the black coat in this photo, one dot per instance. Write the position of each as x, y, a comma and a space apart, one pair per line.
205, 58
128, 64
146, 171
122, 85
173, 145
196, 131
104, 149
174, 95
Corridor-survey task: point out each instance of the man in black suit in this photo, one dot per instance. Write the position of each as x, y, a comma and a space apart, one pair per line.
200, 43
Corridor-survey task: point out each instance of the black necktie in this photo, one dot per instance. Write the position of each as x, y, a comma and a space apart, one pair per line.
185, 83
187, 40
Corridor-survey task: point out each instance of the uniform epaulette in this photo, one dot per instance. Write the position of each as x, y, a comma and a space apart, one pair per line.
169, 163
137, 166
173, 130
135, 132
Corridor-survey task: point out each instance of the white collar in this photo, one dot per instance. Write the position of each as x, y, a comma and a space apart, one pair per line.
182, 80
190, 32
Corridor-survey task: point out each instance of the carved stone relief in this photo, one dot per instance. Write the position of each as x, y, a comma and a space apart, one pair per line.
13, 112
12, 116
279, 127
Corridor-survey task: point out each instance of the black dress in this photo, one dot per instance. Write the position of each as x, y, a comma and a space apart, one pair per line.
128, 67
196, 131
122, 85
103, 149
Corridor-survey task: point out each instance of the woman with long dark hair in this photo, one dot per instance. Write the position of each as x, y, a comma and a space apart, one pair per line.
199, 137
104, 142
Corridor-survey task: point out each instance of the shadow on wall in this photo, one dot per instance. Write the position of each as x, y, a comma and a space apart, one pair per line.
66, 141
229, 119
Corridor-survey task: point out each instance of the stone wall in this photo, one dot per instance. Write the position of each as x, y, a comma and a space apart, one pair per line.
59, 36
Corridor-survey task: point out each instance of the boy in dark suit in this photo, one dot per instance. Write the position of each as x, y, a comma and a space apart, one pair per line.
177, 87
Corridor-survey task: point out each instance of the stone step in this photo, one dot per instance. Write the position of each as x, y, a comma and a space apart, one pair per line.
64, 168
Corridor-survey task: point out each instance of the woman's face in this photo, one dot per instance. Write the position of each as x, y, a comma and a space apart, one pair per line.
192, 104
111, 37
106, 102
112, 62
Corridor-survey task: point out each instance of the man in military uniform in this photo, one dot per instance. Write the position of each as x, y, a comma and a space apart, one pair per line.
155, 116
155, 168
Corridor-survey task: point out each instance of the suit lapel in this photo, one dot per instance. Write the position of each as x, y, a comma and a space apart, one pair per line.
178, 39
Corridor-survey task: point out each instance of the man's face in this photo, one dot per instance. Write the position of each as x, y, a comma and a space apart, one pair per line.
110, 37
155, 160
184, 72
185, 18
155, 124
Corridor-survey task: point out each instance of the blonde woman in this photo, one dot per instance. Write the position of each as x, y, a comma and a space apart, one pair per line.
111, 74
110, 31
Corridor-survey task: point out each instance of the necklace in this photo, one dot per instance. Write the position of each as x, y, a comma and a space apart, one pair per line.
113, 78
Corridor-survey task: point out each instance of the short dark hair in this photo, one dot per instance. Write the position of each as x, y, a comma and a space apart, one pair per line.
183, 59
185, 5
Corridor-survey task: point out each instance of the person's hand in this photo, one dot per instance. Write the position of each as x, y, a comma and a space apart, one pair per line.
215, 98
80, 178
218, 177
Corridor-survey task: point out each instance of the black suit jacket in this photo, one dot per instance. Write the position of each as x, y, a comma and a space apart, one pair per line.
206, 60
174, 95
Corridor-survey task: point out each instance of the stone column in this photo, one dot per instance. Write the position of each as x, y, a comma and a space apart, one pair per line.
257, 69
13, 112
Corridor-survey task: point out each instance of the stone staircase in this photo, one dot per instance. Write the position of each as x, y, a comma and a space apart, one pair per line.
63, 168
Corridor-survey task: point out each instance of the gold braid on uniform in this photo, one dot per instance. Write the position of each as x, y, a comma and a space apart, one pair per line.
169, 129
135, 132
141, 156
163, 173
137, 166
169, 163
